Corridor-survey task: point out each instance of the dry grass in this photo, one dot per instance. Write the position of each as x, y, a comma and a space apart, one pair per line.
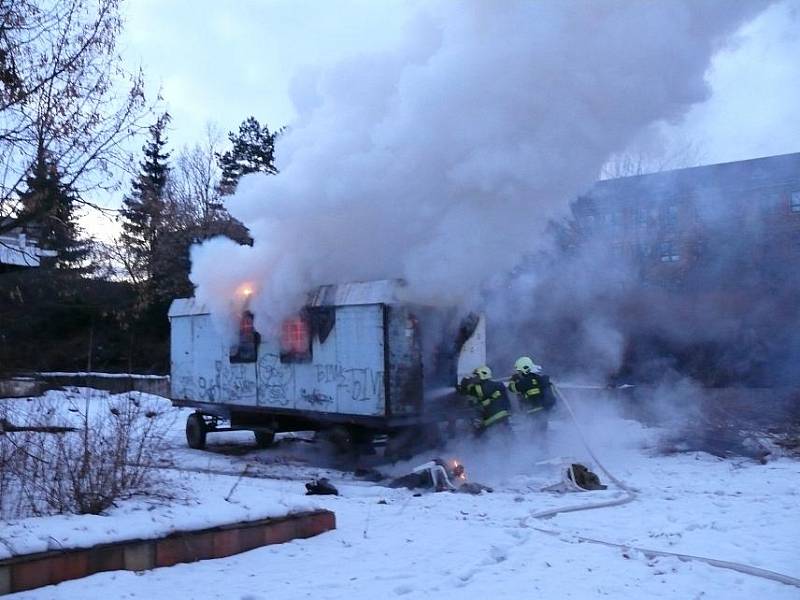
109, 457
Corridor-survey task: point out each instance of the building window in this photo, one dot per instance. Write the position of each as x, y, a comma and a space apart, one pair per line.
669, 217
617, 221
669, 252
296, 340
246, 350
794, 201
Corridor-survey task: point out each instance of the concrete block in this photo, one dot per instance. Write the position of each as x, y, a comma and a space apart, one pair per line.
170, 551
314, 524
199, 546
282, 531
226, 543
31, 574
70, 565
106, 558
5, 579
251, 537
139, 557
28, 572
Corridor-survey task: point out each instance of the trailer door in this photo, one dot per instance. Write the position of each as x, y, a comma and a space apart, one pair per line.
360, 359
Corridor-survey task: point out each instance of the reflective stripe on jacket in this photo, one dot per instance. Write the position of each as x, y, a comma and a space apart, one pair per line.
490, 398
534, 391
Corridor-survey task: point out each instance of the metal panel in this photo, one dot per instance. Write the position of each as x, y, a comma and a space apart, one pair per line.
201, 370
318, 381
404, 362
275, 380
345, 375
182, 307
360, 388
181, 359
473, 352
383, 291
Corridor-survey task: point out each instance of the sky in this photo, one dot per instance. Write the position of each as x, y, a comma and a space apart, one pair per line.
218, 62
223, 61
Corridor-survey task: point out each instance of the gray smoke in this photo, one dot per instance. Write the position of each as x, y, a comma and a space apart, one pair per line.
442, 161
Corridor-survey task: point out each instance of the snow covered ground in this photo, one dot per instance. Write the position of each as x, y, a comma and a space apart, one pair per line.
391, 543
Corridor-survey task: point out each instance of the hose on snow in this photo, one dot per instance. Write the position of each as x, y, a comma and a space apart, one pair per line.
630, 495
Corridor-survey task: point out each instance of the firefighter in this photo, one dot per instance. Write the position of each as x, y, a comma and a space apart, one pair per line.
489, 397
534, 390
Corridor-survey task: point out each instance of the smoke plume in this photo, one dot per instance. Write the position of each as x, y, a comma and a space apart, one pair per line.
442, 160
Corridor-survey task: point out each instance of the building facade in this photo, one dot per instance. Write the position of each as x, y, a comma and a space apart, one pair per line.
688, 227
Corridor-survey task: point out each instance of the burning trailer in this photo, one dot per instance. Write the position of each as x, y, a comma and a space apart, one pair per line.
356, 361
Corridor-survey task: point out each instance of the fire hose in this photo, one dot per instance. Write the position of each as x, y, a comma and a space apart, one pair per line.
630, 495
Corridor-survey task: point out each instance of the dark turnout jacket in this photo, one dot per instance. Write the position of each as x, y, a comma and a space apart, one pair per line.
490, 398
535, 391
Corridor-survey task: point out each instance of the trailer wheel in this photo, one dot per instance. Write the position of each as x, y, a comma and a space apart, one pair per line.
264, 439
196, 431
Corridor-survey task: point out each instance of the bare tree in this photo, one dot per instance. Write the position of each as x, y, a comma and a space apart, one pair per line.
64, 94
639, 159
196, 203
195, 182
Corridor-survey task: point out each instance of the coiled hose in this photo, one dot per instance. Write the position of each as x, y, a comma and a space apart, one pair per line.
630, 495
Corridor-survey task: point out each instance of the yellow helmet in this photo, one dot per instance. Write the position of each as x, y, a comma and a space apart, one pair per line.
524, 365
483, 372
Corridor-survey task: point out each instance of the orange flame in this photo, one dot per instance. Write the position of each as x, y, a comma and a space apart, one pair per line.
458, 469
245, 290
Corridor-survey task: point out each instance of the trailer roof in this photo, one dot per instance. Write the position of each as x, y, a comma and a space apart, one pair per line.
184, 307
383, 291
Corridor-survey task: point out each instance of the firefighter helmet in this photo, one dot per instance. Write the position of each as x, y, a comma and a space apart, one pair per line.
524, 365
483, 372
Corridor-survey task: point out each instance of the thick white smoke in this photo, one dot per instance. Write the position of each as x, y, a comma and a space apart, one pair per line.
441, 161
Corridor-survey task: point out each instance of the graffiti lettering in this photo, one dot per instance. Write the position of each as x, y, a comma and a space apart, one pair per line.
329, 373
275, 380
361, 385
315, 397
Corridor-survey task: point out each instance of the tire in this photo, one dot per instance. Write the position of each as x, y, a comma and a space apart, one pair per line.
196, 431
264, 439
361, 441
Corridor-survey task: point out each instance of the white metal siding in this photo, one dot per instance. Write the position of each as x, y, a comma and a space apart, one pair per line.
473, 352
345, 374
360, 358
181, 359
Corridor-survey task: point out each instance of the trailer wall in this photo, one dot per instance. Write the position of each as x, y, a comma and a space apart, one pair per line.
343, 375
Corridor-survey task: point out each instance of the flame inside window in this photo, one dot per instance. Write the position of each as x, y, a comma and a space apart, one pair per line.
295, 336
247, 347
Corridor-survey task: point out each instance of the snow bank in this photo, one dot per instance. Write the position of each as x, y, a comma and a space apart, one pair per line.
185, 502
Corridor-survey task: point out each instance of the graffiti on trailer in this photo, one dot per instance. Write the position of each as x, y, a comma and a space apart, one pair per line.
185, 387
315, 397
208, 390
330, 373
227, 385
274, 380
238, 383
359, 385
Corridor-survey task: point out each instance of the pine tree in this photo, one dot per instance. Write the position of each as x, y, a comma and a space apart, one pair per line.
145, 209
48, 208
253, 151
